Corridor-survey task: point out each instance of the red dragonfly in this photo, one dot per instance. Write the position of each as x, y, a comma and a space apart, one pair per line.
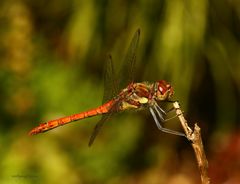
135, 96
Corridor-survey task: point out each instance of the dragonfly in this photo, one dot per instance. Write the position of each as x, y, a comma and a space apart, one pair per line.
121, 95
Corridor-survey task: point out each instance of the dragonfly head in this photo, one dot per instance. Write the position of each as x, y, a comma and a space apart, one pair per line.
164, 90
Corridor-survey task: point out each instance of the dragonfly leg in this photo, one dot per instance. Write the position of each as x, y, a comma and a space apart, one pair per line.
160, 111
167, 119
159, 108
160, 126
170, 110
166, 112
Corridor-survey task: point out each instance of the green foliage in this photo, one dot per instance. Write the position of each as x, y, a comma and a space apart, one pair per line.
51, 65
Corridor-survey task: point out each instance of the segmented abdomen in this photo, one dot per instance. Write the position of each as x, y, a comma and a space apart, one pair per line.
43, 127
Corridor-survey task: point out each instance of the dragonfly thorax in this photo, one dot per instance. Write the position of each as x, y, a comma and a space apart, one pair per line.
139, 95
163, 90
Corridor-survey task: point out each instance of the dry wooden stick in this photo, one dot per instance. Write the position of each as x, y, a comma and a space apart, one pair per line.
196, 141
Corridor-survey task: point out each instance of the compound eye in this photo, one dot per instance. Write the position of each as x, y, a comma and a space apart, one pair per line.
163, 87
160, 89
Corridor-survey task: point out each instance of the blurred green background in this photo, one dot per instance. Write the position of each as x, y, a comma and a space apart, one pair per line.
51, 64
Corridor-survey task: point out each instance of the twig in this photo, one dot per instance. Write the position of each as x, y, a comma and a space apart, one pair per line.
196, 141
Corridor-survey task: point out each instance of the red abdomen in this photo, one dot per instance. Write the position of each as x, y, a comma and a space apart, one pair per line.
43, 127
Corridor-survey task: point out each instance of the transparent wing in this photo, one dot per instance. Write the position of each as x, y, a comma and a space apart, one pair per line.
101, 122
112, 86
110, 90
110, 81
127, 71
97, 128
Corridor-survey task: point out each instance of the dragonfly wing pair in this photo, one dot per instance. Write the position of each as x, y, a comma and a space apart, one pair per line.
111, 84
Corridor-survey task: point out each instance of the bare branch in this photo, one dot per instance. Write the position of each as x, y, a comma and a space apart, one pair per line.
196, 141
